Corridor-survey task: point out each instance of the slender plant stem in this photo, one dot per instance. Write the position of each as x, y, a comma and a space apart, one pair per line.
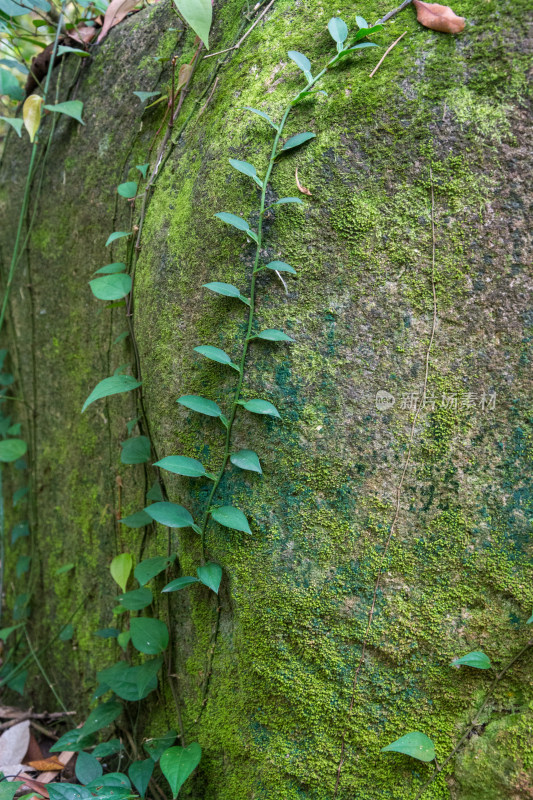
43, 673
2, 542
27, 188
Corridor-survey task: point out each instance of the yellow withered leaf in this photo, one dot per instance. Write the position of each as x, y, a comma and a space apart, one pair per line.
31, 114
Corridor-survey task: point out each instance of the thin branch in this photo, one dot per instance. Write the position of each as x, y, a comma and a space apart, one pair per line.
393, 13
385, 54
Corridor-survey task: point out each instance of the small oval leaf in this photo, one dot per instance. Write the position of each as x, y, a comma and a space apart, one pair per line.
148, 635
414, 744
234, 220
180, 583
135, 450
182, 465
116, 384
213, 354
338, 30
31, 114
476, 659
200, 404
262, 407
210, 575
246, 459
281, 266
12, 449
273, 335
297, 140
111, 269
300, 60
120, 569
170, 514
231, 517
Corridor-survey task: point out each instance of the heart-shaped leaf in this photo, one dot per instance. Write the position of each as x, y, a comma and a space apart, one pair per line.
148, 635
135, 450
150, 567
140, 773
12, 449
111, 287
156, 747
101, 717
138, 520
177, 763
128, 189
71, 108
136, 600
210, 575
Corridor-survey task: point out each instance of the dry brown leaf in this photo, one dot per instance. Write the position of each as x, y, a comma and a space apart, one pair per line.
83, 34
302, 189
115, 13
63, 758
35, 786
34, 752
52, 764
184, 74
438, 18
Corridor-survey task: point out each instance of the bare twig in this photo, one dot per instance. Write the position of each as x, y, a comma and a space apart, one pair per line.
203, 108
393, 13
241, 40
385, 54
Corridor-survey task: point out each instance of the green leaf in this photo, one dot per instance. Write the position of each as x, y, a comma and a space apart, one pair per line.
111, 287
155, 493
72, 740
120, 569
262, 115
107, 633
338, 30
301, 61
20, 530
112, 786
170, 514
226, 290
198, 14
273, 335
23, 565
71, 108
247, 169
231, 517
14, 430
476, 659
9, 789
415, 744
246, 459
236, 222
210, 575
135, 450
281, 266
177, 763
15, 123
361, 22
63, 50
116, 235
128, 189
182, 465
9, 85
11, 449
12, 64
140, 773
296, 141
68, 791
215, 354
143, 96
116, 384
156, 747
150, 567
67, 633
200, 404
18, 683
356, 47
262, 407
138, 520
180, 583
20, 493
5, 632
123, 640
107, 748
88, 768
137, 599
131, 683
285, 200
148, 635
530, 620
64, 568
101, 717
143, 169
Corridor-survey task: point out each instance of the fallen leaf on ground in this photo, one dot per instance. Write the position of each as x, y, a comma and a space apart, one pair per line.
63, 758
34, 752
438, 18
47, 764
302, 189
84, 34
14, 744
35, 786
115, 13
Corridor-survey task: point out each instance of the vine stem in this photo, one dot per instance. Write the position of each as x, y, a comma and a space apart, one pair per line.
399, 488
256, 269
43, 673
475, 721
27, 188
